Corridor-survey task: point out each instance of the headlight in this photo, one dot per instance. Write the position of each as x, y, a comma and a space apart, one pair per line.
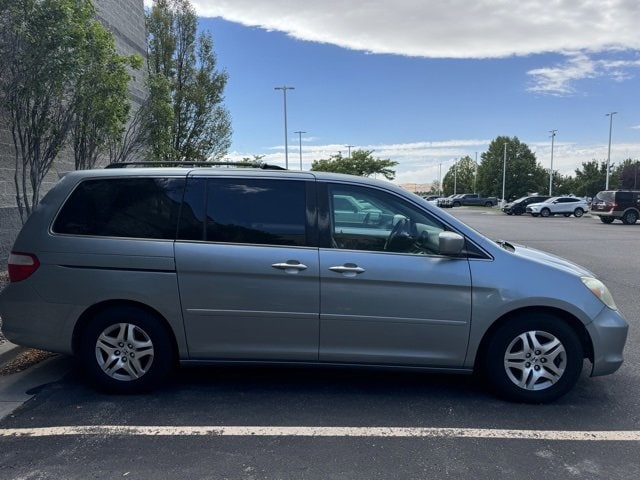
599, 290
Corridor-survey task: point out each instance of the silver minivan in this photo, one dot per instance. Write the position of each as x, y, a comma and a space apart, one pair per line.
136, 270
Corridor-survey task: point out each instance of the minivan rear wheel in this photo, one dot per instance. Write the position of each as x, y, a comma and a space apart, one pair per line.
126, 350
533, 358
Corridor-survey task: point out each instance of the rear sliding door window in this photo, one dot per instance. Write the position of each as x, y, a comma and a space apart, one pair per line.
123, 207
256, 211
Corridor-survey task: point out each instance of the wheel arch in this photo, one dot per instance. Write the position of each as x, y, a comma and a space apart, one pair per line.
573, 322
93, 310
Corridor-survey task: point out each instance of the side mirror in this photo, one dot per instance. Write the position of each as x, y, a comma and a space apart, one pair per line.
451, 243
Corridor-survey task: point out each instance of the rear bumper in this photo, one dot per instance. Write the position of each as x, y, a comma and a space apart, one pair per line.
29, 321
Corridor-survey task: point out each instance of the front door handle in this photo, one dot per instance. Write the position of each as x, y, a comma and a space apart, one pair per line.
290, 266
348, 269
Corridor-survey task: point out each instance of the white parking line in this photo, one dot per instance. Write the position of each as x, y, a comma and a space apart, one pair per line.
386, 432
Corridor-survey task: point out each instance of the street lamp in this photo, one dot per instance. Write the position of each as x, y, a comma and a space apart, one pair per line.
455, 177
440, 181
349, 147
610, 115
300, 139
475, 176
553, 136
504, 172
284, 89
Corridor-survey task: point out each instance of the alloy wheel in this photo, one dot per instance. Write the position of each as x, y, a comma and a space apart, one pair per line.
535, 360
124, 351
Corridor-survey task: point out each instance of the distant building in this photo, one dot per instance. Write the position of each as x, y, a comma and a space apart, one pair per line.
125, 18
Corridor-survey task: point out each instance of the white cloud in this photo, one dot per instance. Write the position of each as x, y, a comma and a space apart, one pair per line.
420, 162
452, 29
559, 80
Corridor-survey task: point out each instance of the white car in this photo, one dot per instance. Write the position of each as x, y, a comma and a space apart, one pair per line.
566, 206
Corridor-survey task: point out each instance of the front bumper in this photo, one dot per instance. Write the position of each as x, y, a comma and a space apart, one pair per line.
608, 334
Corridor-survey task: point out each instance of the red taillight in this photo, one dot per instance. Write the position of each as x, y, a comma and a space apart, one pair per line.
22, 265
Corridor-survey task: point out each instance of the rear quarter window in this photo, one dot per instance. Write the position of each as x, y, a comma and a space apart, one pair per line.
123, 207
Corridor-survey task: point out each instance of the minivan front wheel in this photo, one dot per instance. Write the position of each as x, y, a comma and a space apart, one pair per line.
126, 350
533, 358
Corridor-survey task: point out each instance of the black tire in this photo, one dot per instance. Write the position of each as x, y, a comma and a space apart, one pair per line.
578, 212
456, 204
545, 212
545, 375
567, 214
630, 217
138, 363
488, 204
607, 219
518, 211
535, 214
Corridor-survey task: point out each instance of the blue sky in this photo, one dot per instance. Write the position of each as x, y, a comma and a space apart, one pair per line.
424, 83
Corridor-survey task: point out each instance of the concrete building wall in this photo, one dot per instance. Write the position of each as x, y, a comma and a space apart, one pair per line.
125, 18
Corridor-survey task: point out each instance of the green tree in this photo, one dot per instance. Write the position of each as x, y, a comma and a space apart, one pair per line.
187, 118
627, 174
101, 98
591, 178
523, 173
460, 178
360, 163
43, 46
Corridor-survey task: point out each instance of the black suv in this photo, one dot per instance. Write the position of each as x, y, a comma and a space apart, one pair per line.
519, 206
617, 204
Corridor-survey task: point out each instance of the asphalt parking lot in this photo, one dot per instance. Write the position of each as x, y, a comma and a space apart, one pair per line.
298, 423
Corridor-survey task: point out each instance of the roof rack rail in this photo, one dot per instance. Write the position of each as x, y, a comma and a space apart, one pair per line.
261, 165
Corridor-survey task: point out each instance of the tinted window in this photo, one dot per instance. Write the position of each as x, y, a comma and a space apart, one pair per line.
123, 207
268, 212
624, 197
379, 214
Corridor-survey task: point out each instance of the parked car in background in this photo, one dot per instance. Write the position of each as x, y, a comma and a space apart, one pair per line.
519, 206
566, 206
447, 202
432, 199
610, 205
133, 271
473, 199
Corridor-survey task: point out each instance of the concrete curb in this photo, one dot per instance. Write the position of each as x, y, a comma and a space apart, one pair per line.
8, 351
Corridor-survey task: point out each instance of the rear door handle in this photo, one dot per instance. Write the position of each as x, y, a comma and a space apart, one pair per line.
290, 266
348, 269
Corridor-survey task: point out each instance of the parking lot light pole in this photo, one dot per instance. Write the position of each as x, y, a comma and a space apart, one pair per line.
300, 139
284, 89
504, 173
349, 150
553, 136
610, 115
